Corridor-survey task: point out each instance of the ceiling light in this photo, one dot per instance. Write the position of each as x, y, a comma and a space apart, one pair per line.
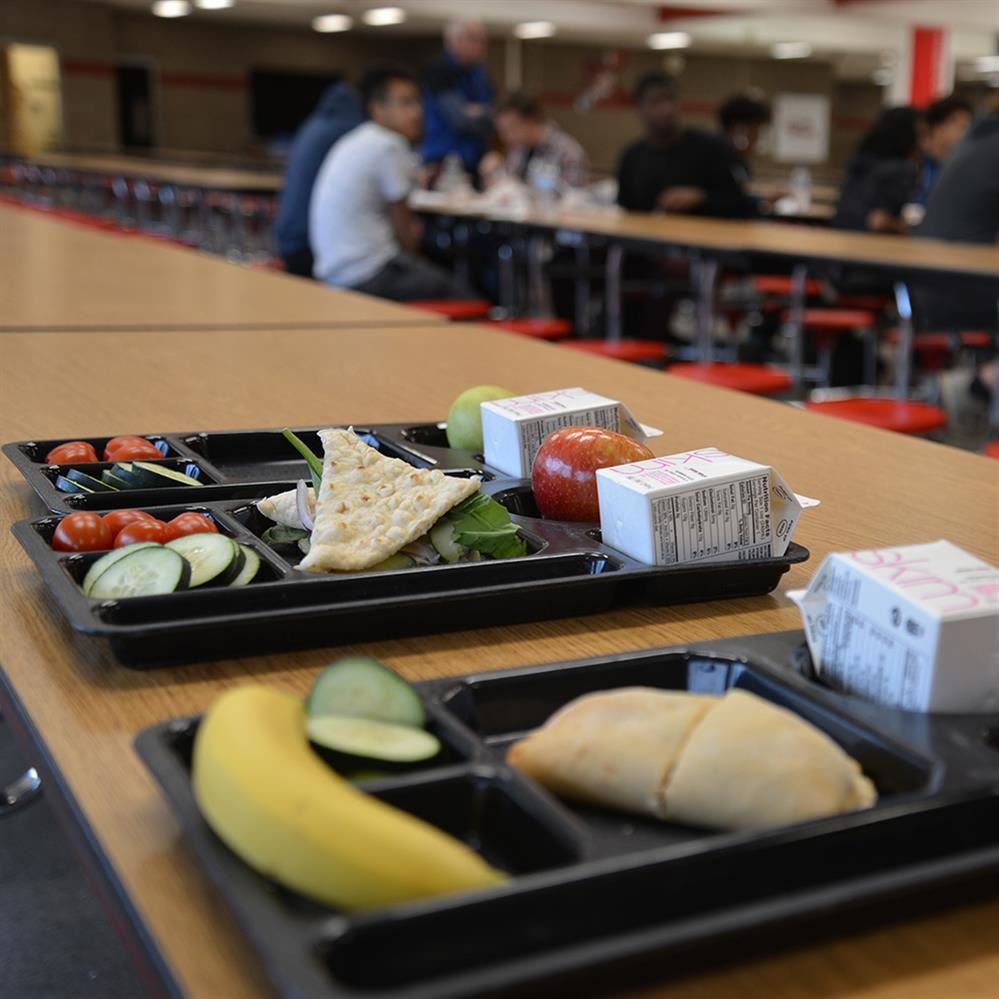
534, 29
669, 40
214, 4
883, 77
987, 64
171, 8
329, 23
791, 50
378, 17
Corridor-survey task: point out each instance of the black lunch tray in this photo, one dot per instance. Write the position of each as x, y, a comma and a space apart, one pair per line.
600, 896
568, 571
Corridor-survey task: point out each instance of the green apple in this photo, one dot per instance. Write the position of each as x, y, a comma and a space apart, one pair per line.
464, 421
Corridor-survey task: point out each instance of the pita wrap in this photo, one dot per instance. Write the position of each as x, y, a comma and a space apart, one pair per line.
283, 508
371, 506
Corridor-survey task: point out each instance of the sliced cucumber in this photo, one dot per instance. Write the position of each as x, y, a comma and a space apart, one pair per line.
397, 561
362, 687
442, 538
162, 476
126, 473
251, 566
304, 545
88, 481
352, 742
214, 558
142, 572
65, 485
108, 477
106, 561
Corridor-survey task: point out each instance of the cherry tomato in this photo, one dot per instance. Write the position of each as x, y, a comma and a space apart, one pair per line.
129, 448
70, 453
191, 523
82, 532
142, 530
118, 519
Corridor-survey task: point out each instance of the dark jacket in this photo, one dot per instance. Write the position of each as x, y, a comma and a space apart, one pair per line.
337, 113
693, 159
874, 183
447, 88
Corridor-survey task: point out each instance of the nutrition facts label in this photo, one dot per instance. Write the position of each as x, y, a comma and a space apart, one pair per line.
862, 658
533, 432
731, 520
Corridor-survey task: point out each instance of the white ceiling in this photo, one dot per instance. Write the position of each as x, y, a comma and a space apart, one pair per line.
855, 34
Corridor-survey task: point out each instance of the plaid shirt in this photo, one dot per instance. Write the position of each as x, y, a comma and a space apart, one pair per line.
559, 148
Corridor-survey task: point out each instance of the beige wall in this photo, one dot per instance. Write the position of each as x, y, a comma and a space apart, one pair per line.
203, 100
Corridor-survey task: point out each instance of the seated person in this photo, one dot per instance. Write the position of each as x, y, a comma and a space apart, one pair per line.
362, 232
679, 169
945, 122
531, 140
742, 118
882, 176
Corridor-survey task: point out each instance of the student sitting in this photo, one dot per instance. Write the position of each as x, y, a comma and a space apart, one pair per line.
678, 169
742, 118
362, 232
946, 122
533, 142
882, 177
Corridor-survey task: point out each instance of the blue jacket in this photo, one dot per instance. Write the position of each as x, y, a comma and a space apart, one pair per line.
337, 113
447, 88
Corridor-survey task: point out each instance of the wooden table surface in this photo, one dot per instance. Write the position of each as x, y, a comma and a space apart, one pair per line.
876, 488
54, 274
211, 178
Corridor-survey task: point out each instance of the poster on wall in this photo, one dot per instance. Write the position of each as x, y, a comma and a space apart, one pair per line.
801, 128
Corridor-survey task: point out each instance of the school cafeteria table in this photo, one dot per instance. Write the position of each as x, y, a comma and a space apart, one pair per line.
54, 274
877, 489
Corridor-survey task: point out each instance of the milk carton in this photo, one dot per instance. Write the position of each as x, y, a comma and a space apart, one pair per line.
697, 507
914, 627
514, 428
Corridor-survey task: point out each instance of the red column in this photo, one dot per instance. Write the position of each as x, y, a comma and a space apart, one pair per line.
931, 71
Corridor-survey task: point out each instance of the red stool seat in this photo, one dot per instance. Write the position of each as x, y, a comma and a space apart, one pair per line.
838, 320
457, 310
942, 341
992, 449
540, 329
756, 379
622, 350
782, 284
887, 414
875, 303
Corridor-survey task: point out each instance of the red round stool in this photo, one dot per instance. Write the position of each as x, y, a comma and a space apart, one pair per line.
540, 329
934, 349
875, 303
992, 449
782, 285
757, 379
887, 414
638, 351
457, 310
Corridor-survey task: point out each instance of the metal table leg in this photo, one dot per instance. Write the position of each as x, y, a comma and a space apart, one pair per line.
903, 359
705, 271
795, 324
615, 260
582, 310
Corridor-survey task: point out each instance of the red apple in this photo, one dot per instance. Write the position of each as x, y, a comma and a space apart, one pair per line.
564, 474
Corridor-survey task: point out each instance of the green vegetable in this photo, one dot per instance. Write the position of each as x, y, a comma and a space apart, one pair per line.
363, 687
281, 535
315, 464
481, 523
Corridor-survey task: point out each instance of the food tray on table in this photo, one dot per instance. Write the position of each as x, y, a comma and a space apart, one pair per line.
568, 571
596, 897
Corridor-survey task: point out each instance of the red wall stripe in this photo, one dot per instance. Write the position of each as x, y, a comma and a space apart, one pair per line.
203, 81
83, 67
927, 57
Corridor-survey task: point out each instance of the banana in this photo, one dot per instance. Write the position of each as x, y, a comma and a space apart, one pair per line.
283, 811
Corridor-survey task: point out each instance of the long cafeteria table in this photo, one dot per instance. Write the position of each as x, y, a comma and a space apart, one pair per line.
56, 275
83, 710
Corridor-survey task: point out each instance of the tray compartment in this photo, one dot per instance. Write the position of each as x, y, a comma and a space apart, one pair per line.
35, 451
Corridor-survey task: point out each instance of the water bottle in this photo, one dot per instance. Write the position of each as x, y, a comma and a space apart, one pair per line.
545, 180
453, 179
801, 187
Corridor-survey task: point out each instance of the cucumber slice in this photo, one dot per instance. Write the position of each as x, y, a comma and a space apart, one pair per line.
89, 482
106, 561
362, 687
251, 566
65, 485
108, 477
125, 473
442, 538
351, 742
398, 561
214, 558
163, 476
304, 545
142, 572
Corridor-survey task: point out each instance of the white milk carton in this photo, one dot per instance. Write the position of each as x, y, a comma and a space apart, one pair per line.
514, 428
697, 507
914, 627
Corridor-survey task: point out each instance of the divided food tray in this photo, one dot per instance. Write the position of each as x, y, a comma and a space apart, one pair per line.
568, 570
599, 896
